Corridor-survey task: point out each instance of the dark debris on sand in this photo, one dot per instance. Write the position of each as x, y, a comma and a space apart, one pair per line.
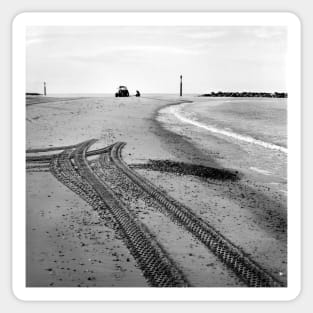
182, 168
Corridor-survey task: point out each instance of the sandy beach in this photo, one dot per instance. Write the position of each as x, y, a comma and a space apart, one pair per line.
70, 243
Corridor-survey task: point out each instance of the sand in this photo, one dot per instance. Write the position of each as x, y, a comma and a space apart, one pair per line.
69, 245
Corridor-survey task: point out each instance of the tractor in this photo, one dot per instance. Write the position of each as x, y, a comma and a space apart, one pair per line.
122, 92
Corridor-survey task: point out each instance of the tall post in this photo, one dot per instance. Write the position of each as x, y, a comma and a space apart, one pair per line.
181, 85
44, 89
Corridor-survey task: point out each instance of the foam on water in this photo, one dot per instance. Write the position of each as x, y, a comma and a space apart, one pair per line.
261, 171
176, 111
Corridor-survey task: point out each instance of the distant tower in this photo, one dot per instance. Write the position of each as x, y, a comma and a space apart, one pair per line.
181, 85
44, 89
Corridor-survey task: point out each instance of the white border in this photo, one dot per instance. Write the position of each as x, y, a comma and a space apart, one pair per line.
166, 294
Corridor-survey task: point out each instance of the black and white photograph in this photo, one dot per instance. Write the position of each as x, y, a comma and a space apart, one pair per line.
156, 156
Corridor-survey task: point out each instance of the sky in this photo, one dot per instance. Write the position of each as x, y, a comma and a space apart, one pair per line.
98, 59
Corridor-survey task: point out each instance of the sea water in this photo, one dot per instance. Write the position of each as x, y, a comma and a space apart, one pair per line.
253, 130
260, 122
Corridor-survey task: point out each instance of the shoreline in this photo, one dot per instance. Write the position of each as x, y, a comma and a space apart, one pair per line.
227, 133
226, 141
169, 137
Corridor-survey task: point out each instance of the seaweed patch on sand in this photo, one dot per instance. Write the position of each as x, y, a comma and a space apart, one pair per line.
182, 168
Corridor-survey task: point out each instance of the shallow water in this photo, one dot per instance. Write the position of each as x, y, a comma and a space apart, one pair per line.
263, 121
253, 130
241, 132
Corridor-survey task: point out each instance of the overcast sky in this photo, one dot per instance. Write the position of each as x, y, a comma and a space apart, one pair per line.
150, 59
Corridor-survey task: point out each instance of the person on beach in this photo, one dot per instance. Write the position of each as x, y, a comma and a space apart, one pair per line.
137, 93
